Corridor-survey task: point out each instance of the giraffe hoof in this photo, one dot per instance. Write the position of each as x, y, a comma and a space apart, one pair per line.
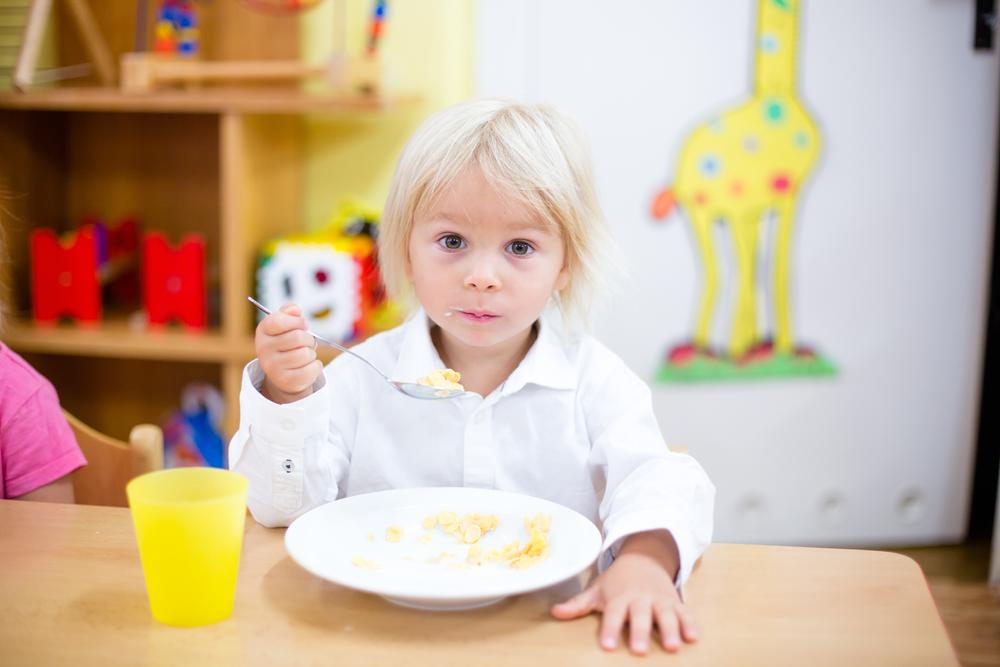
682, 354
759, 352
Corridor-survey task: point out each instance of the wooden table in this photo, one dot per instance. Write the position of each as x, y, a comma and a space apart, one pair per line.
72, 593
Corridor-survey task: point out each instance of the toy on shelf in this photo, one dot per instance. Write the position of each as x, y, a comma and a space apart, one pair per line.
173, 280
192, 435
332, 275
176, 29
143, 71
67, 274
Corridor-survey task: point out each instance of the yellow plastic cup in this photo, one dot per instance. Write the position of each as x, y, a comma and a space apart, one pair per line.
189, 524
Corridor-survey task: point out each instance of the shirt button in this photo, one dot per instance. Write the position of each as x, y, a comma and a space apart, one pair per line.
288, 465
479, 418
288, 424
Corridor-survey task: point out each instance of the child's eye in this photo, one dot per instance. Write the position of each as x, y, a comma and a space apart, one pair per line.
452, 241
520, 248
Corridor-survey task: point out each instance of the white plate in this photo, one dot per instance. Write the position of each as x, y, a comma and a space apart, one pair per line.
326, 539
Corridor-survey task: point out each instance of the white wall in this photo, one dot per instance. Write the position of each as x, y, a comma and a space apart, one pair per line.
891, 252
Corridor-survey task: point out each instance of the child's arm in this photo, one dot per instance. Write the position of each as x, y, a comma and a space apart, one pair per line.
656, 510
293, 443
57, 491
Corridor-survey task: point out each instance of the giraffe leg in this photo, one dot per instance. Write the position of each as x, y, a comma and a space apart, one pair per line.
783, 339
745, 232
701, 224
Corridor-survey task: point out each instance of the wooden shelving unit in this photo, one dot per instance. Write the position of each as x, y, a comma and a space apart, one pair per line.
247, 101
226, 163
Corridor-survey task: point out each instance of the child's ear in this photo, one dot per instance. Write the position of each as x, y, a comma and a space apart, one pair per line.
562, 279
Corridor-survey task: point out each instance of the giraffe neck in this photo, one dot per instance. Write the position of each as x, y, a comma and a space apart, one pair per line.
774, 70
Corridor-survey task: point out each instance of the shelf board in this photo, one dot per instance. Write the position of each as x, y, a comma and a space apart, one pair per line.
210, 100
116, 339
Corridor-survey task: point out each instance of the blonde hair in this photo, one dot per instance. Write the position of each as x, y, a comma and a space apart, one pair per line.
531, 152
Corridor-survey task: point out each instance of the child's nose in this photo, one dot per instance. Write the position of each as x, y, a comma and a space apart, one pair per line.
483, 277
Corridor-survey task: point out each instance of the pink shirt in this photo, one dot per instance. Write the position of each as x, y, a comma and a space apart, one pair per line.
36, 444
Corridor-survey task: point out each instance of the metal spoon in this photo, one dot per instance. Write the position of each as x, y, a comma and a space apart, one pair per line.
409, 388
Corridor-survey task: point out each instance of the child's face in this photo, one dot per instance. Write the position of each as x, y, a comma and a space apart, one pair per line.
482, 266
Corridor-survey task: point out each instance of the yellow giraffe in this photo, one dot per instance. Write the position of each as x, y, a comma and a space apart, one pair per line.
741, 166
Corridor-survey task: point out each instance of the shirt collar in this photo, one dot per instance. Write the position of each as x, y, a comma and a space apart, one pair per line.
546, 363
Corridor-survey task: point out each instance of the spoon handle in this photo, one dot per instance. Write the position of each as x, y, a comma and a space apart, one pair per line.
264, 309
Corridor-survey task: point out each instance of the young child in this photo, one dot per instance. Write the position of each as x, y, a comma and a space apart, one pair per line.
37, 448
491, 217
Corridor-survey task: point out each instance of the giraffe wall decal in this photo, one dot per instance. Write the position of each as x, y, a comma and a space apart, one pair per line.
740, 168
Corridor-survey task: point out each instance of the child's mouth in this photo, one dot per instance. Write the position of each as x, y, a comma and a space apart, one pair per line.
476, 316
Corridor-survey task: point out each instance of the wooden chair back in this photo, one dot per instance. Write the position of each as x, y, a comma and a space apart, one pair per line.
112, 463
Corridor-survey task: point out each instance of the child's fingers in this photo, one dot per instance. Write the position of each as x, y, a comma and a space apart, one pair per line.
295, 359
294, 340
295, 381
612, 621
666, 621
579, 605
291, 309
640, 624
279, 322
689, 629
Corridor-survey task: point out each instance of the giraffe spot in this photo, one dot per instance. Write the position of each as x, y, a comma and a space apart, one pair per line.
769, 43
736, 188
774, 111
709, 166
781, 183
750, 143
800, 139
700, 198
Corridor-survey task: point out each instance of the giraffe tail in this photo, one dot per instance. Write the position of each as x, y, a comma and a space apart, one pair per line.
664, 203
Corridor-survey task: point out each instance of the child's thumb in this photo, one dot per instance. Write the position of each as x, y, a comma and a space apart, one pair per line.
578, 605
291, 309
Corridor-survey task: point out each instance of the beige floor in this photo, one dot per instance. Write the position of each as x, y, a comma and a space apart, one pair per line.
969, 608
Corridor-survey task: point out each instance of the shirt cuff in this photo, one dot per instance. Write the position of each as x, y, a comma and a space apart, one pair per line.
280, 432
676, 523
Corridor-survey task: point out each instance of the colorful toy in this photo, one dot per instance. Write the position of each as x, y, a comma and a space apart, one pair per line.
67, 275
743, 167
173, 280
176, 29
376, 25
192, 436
332, 275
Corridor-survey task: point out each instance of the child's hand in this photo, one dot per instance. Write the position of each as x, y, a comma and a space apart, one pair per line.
287, 355
639, 588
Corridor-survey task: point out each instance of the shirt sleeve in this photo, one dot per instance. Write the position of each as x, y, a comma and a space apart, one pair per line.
647, 487
295, 456
38, 445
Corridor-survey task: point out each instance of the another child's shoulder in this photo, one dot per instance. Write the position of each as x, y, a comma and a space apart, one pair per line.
16, 373
18, 379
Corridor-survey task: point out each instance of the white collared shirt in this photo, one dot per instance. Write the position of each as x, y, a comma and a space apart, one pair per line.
571, 424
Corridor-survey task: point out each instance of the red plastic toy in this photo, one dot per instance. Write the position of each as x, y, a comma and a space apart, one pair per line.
173, 281
64, 278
